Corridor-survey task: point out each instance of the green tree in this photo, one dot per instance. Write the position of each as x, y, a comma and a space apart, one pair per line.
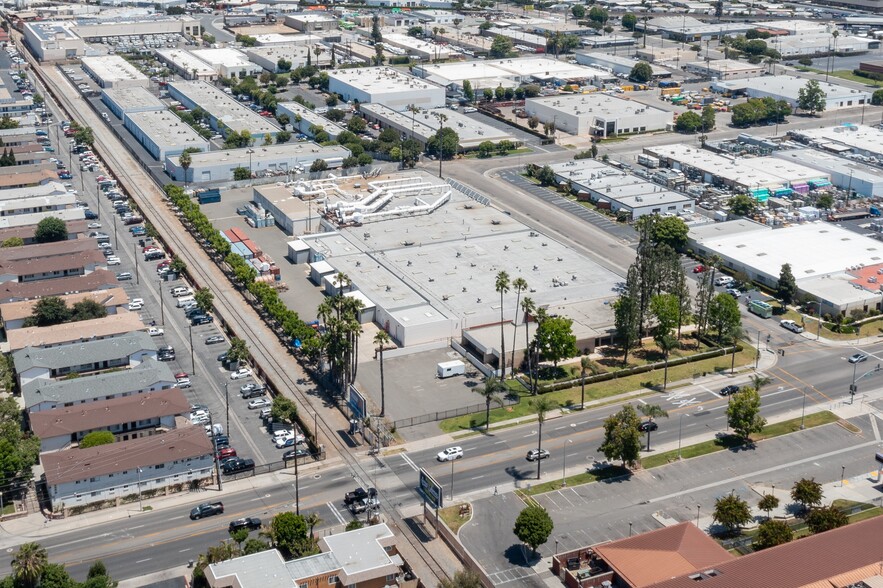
13, 242
825, 201
533, 122
732, 512
204, 299
87, 309
283, 137
96, 438
238, 351
622, 438
444, 143
253, 546
283, 65
50, 230
771, 533
239, 536
28, 564
811, 98
84, 136
743, 413
486, 149
786, 287
688, 122
376, 34
665, 230
500, 47
554, 339
598, 14
533, 526
354, 525
825, 518
381, 340
501, 286
585, 365
185, 161
288, 532
807, 493
491, 390
708, 119
629, 21
283, 410
318, 165
768, 503
241, 173
468, 92
357, 124
48, 311
626, 316
641, 73
578, 11
464, 578
877, 97
742, 205
8, 123
55, 576
652, 411
97, 569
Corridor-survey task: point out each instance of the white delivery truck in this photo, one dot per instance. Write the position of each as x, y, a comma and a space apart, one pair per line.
446, 369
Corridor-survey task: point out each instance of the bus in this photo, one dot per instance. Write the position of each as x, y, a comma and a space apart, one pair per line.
761, 309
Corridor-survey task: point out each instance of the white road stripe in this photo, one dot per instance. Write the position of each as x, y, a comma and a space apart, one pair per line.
336, 514
410, 462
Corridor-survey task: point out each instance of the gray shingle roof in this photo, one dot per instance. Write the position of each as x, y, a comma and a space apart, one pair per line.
83, 352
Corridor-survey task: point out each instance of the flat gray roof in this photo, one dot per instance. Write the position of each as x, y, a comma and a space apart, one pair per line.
167, 130
48, 31
471, 131
379, 80
269, 153
790, 86
829, 163
597, 104
227, 110
130, 98
312, 117
113, 68
82, 353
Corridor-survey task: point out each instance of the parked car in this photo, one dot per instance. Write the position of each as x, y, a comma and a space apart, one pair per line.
296, 453
259, 403
214, 339
449, 454
699, 269
113, 260
201, 320
154, 331
122, 276
237, 464
240, 374
791, 326
136, 304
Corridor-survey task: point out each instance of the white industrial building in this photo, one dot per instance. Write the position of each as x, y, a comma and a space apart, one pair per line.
618, 64
787, 88
53, 40
424, 50
162, 133
847, 139
308, 119
125, 100
270, 160
725, 69
821, 44
618, 191
859, 178
130, 24
187, 65
225, 113
598, 114
385, 85
229, 63
510, 73
311, 22
112, 71
824, 258
276, 39
267, 57
423, 125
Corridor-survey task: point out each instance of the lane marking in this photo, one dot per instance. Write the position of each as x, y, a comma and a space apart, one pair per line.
336, 514
410, 462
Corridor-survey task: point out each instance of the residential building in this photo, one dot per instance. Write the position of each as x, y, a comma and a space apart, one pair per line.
113, 325
148, 376
112, 472
128, 417
14, 314
97, 280
30, 204
23, 180
47, 261
26, 232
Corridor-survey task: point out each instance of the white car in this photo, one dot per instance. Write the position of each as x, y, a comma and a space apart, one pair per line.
791, 326
183, 383
136, 303
94, 225
154, 331
259, 403
240, 374
450, 454
113, 260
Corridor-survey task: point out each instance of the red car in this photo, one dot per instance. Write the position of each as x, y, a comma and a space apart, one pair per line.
163, 264
699, 269
180, 375
226, 452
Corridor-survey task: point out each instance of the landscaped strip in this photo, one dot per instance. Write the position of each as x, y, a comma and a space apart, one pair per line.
577, 480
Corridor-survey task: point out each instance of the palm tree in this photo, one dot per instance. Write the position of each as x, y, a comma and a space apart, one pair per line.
584, 364
312, 520
502, 286
651, 411
492, 386
318, 51
758, 381
185, 161
528, 308
28, 563
520, 285
381, 339
666, 343
542, 405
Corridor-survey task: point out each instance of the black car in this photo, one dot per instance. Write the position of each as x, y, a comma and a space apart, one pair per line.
249, 523
254, 393
89, 214
222, 440
359, 494
648, 426
201, 320
296, 453
195, 311
237, 464
729, 390
223, 357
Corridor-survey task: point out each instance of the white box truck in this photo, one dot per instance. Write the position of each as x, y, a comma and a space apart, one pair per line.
446, 369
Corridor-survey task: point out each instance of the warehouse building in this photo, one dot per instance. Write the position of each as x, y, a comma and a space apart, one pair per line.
423, 125
263, 161
521, 40
126, 100
186, 65
618, 64
819, 254
873, 67
277, 39
126, 25
821, 44
725, 69
847, 139
858, 178
423, 50
787, 88
225, 113
600, 115
162, 133
309, 119
267, 57
311, 22
384, 85
112, 71
229, 63
510, 73
53, 40
620, 192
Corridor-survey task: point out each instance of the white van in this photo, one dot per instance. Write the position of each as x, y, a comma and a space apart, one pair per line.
184, 300
723, 280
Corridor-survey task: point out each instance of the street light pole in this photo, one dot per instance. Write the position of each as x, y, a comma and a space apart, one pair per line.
192, 363
698, 508
803, 411
250, 152
140, 505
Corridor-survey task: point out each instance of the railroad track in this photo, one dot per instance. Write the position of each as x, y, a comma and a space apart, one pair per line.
239, 317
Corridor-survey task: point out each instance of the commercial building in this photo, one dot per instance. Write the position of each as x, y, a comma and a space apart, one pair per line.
860, 179
112, 71
521, 40
817, 252
53, 40
787, 88
311, 22
126, 100
601, 115
384, 85
619, 64
847, 139
363, 558
162, 133
302, 119
423, 50
187, 65
120, 470
618, 191
873, 67
263, 161
14, 313
423, 125
225, 114
821, 44
276, 39
126, 25
148, 376
129, 417
510, 73
725, 69
268, 57
229, 63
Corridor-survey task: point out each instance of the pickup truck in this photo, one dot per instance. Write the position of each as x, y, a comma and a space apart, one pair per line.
206, 509
358, 495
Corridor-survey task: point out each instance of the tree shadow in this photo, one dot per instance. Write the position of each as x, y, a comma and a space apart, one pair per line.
518, 474
518, 554
419, 529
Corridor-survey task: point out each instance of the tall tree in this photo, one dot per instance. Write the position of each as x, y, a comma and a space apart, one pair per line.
339, 343
585, 364
520, 285
651, 411
732, 512
381, 339
786, 287
501, 285
376, 34
554, 339
622, 438
811, 98
541, 405
825, 518
491, 390
185, 161
807, 493
724, 316
528, 308
768, 503
50, 229
743, 413
533, 526
28, 564
625, 315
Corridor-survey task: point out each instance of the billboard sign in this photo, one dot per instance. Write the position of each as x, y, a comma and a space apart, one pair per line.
431, 490
357, 403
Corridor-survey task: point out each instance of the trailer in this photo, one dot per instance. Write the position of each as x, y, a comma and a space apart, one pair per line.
446, 369
844, 215
648, 161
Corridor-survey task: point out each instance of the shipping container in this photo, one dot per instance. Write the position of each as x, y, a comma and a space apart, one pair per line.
240, 235
231, 236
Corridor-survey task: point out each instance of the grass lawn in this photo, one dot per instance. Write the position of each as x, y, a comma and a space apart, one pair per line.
451, 516
729, 442
847, 74
577, 480
571, 396
811, 324
519, 151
